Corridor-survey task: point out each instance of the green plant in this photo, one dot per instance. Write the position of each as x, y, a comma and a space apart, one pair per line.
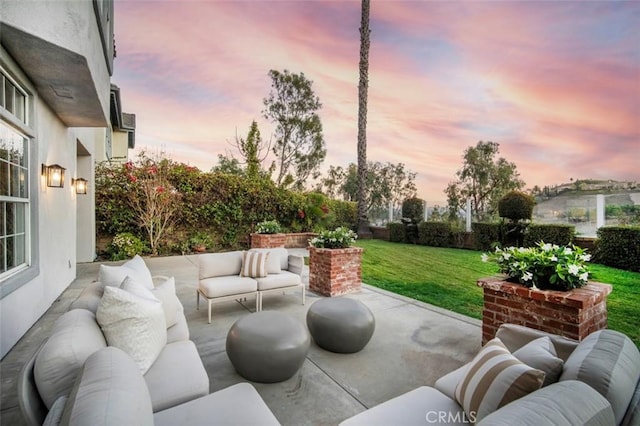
546, 266
619, 246
340, 237
125, 246
516, 206
487, 235
413, 209
397, 232
199, 241
437, 234
268, 227
554, 234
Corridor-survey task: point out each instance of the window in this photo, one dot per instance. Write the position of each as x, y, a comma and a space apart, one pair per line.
14, 183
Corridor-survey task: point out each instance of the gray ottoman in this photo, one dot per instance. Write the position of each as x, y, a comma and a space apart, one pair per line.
340, 324
268, 346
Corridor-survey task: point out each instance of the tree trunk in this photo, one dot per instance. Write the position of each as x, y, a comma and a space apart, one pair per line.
363, 88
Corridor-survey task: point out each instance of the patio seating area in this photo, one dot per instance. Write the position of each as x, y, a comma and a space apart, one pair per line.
413, 345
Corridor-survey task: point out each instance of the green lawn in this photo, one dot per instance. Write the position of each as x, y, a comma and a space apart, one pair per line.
447, 278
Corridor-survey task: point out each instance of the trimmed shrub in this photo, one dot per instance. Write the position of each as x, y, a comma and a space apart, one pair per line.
413, 209
561, 235
619, 246
125, 245
436, 234
516, 206
396, 232
487, 235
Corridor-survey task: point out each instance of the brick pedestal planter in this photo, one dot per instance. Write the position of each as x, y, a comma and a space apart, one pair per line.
268, 240
333, 272
574, 314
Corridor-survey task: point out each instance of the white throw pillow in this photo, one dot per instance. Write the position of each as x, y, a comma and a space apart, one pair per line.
273, 262
135, 268
134, 324
254, 264
166, 293
494, 379
541, 354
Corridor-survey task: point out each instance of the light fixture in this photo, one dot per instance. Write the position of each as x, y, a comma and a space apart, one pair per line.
80, 185
54, 175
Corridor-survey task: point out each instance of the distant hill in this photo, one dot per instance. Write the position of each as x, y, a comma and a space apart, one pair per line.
587, 187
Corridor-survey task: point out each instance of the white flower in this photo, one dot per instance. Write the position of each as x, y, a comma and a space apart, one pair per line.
567, 250
527, 276
584, 277
523, 249
485, 258
554, 258
574, 270
546, 247
585, 257
506, 256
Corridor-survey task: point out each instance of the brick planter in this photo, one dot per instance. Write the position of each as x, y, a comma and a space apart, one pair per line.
333, 272
268, 240
574, 314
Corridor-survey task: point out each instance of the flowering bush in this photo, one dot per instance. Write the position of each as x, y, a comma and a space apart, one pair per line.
338, 238
268, 227
126, 245
544, 266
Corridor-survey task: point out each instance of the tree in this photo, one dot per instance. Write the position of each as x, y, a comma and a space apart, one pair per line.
253, 150
363, 90
228, 165
299, 146
385, 182
483, 179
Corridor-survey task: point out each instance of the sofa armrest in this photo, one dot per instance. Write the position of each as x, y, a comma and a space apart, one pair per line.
516, 336
296, 264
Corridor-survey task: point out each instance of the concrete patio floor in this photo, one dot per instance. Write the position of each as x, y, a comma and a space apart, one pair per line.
413, 345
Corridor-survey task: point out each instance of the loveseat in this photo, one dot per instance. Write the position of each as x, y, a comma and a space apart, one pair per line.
253, 273
528, 377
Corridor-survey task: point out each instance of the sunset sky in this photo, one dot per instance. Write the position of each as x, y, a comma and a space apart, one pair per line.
555, 83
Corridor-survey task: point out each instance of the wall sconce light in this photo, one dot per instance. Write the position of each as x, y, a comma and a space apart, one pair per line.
80, 184
54, 175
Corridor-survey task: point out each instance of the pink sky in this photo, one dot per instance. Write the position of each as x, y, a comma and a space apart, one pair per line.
555, 83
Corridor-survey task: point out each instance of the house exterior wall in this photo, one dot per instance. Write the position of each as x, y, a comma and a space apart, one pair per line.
63, 224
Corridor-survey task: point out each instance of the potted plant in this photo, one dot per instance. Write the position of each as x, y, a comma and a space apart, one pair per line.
200, 242
268, 235
546, 287
335, 267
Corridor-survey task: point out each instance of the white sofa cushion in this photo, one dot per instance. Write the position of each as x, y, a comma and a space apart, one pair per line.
110, 391
277, 260
54, 416
134, 324
177, 376
541, 354
566, 403
495, 378
227, 286
74, 337
254, 264
609, 362
134, 268
166, 293
219, 264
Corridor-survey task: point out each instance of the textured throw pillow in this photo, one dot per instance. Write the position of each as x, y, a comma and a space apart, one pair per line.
541, 354
494, 379
134, 324
273, 263
254, 264
166, 293
135, 268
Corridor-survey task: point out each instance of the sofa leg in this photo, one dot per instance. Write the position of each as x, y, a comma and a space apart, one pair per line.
258, 302
209, 311
197, 300
303, 295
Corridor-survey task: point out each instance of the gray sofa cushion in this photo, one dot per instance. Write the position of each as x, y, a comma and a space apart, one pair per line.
448, 383
632, 418
236, 405
278, 259
609, 362
227, 286
55, 413
541, 354
565, 403
176, 376
219, 264
283, 279
516, 336
89, 298
109, 391
74, 337
420, 406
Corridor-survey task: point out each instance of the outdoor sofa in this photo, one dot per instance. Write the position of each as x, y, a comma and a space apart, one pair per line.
592, 382
125, 310
253, 273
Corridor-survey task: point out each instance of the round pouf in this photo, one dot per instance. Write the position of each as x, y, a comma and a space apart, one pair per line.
267, 347
340, 325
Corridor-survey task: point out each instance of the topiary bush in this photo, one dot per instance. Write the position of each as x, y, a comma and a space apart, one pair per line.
487, 235
619, 246
436, 234
516, 206
413, 209
397, 232
561, 235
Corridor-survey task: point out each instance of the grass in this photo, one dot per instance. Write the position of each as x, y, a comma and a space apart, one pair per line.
447, 278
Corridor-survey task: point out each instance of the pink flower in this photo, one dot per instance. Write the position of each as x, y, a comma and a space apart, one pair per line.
159, 188
153, 170
132, 178
128, 165
301, 214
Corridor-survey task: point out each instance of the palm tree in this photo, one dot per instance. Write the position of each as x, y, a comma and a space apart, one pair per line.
363, 88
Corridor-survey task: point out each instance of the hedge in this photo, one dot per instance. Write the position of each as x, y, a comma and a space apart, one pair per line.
619, 246
561, 235
436, 234
487, 235
396, 232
